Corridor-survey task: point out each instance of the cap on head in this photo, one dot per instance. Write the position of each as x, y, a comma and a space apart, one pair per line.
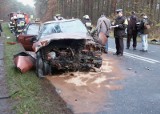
58, 15
144, 16
86, 16
119, 10
133, 12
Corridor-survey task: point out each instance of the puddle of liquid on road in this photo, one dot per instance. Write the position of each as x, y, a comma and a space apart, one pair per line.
86, 92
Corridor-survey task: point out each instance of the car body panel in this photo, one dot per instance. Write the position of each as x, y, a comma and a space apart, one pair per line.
24, 61
26, 41
26, 38
59, 36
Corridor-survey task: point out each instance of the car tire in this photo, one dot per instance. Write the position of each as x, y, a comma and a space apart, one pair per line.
39, 66
46, 68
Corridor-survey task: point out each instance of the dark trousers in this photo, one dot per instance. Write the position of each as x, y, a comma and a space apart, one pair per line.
134, 36
119, 45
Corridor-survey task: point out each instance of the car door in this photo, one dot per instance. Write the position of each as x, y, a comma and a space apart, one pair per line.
26, 41
28, 36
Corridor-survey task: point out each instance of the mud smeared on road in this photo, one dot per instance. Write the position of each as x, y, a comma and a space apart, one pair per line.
86, 92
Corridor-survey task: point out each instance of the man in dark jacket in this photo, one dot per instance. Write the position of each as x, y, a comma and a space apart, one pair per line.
132, 30
0, 29
119, 32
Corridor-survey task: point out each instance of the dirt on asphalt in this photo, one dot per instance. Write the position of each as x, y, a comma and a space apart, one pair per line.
86, 92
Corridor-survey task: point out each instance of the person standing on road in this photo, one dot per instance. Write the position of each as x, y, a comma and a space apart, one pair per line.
144, 31
0, 29
119, 32
103, 29
132, 30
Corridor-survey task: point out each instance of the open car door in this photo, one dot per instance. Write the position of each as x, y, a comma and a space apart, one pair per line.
27, 41
29, 35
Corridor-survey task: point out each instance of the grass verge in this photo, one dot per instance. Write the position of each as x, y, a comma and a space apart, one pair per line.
31, 96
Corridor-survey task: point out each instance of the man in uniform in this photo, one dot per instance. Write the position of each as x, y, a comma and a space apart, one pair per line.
132, 30
119, 32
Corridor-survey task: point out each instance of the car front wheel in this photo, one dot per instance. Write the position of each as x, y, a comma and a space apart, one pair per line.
39, 66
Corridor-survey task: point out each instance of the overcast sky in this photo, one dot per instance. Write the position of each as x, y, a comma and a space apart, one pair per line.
27, 2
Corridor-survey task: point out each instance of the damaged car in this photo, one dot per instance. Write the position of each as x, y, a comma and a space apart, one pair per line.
65, 45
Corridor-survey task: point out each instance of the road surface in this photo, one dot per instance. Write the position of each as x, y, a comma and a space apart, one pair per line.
141, 92
5, 103
124, 85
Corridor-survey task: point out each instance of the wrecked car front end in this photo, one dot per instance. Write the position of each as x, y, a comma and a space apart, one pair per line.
66, 52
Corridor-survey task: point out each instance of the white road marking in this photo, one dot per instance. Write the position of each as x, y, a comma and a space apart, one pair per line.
149, 60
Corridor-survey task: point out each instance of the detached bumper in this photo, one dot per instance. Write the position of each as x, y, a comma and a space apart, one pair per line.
25, 61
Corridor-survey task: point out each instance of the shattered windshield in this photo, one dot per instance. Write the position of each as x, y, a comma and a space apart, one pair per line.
74, 26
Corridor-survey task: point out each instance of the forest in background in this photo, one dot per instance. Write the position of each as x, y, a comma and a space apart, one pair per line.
8, 6
46, 9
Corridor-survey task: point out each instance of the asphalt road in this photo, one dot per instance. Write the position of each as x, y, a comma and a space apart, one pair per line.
141, 84
124, 85
5, 103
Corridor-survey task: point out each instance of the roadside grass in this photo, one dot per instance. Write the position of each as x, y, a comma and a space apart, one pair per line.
25, 86
29, 93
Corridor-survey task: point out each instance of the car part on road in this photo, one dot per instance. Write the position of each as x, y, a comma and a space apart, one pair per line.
24, 61
11, 43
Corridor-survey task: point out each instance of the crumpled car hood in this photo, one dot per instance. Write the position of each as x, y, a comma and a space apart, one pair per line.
60, 36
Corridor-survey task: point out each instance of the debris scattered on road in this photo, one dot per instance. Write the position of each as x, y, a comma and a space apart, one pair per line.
8, 37
147, 68
58, 91
129, 68
154, 41
11, 43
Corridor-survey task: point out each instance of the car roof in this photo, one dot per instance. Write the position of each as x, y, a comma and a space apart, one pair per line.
34, 23
64, 20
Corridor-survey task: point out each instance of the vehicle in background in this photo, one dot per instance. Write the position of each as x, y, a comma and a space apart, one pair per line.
29, 34
18, 20
20, 24
12, 17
